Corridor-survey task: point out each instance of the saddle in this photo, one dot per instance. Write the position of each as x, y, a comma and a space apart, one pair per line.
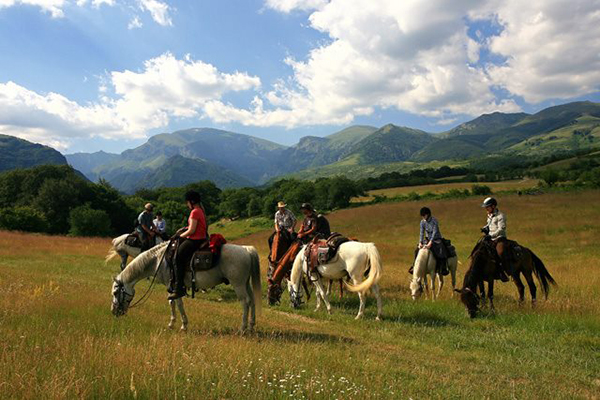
321, 251
133, 240
451, 250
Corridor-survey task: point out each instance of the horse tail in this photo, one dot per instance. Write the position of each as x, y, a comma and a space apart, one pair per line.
255, 276
375, 270
542, 273
112, 252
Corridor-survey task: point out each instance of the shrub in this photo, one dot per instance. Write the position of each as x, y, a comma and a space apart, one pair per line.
85, 221
23, 218
481, 190
413, 196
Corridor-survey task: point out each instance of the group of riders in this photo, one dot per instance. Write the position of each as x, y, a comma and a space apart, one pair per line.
314, 226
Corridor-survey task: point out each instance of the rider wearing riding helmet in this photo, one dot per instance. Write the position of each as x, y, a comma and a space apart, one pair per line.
495, 231
191, 238
430, 238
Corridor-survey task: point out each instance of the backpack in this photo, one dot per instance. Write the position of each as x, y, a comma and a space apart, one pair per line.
323, 226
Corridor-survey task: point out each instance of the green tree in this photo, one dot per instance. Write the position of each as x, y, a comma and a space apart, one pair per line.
23, 218
86, 221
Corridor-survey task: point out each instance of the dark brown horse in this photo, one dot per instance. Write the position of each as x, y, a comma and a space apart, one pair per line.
282, 254
483, 267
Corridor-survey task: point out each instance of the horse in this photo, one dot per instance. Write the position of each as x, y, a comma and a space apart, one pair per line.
425, 264
281, 243
483, 267
237, 265
122, 249
355, 260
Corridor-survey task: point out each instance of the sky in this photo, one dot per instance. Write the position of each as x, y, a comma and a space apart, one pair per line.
89, 75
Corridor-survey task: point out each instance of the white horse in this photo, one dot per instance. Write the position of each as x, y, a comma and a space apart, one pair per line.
238, 265
425, 265
120, 248
353, 259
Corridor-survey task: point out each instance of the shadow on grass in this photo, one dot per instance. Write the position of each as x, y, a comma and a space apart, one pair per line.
282, 336
424, 318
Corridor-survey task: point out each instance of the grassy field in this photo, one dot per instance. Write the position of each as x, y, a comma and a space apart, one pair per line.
59, 340
526, 183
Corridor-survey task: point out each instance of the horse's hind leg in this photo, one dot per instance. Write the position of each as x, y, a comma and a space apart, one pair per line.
491, 294
184, 318
252, 307
482, 293
173, 314
520, 287
432, 277
376, 292
245, 300
441, 282
532, 287
361, 309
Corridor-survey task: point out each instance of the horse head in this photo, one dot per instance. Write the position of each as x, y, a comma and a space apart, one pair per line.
416, 289
470, 299
121, 298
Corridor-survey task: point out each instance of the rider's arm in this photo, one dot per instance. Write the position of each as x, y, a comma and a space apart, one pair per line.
191, 229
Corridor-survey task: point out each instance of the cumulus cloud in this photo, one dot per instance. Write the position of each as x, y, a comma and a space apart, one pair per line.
165, 88
552, 48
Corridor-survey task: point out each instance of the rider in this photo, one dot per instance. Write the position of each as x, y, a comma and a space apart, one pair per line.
430, 238
309, 229
191, 238
495, 231
146, 229
285, 221
161, 225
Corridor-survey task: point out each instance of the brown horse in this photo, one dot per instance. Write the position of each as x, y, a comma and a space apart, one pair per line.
483, 268
280, 263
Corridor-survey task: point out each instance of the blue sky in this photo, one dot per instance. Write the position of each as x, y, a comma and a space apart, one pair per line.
106, 74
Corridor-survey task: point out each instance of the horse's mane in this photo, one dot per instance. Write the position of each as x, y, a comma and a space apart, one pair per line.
475, 272
140, 263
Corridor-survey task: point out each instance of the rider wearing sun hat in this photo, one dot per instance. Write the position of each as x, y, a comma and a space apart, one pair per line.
284, 221
495, 231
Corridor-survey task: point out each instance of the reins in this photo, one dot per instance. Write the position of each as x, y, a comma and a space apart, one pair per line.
148, 291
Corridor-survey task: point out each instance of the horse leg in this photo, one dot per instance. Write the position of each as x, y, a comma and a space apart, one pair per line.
491, 294
375, 290
242, 295
432, 277
173, 314
123, 260
329, 285
482, 293
361, 308
252, 307
453, 275
318, 296
441, 282
520, 287
184, 318
532, 288
426, 291
321, 291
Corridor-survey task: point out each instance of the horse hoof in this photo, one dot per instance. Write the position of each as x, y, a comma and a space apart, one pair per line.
359, 316
183, 328
378, 318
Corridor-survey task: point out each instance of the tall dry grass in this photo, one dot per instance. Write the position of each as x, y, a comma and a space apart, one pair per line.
59, 340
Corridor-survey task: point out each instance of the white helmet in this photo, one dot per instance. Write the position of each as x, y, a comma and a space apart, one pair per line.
490, 201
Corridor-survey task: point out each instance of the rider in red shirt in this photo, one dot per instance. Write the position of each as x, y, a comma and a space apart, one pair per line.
191, 239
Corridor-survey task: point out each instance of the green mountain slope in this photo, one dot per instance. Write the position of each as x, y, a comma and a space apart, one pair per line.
19, 153
486, 124
179, 171
88, 162
391, 143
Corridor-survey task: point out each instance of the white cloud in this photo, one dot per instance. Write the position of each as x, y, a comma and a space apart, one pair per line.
134, 23
166, 88
287, 6
552, 48
159, 11
54, 7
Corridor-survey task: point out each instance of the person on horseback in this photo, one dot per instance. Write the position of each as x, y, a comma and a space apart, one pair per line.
161, 226
145, 228
430, 238
495, 231
285, 221
191, 238
309, 229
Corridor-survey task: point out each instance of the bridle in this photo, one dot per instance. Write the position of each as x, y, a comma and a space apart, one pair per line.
122, 297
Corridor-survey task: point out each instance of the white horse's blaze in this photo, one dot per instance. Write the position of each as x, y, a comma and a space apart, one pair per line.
353, 260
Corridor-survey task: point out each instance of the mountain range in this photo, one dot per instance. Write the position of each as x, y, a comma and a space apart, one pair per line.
19, 153
233, 160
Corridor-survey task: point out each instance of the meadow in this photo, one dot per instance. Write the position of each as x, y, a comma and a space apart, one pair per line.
59, 339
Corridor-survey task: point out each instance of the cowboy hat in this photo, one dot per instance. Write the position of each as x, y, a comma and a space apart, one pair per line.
281, 204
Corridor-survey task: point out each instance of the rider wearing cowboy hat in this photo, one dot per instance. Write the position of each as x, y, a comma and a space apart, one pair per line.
495, 231
285, 221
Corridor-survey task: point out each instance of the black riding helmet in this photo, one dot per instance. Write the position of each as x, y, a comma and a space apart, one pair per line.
490, 201
307, 206
425, 211
192, 196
